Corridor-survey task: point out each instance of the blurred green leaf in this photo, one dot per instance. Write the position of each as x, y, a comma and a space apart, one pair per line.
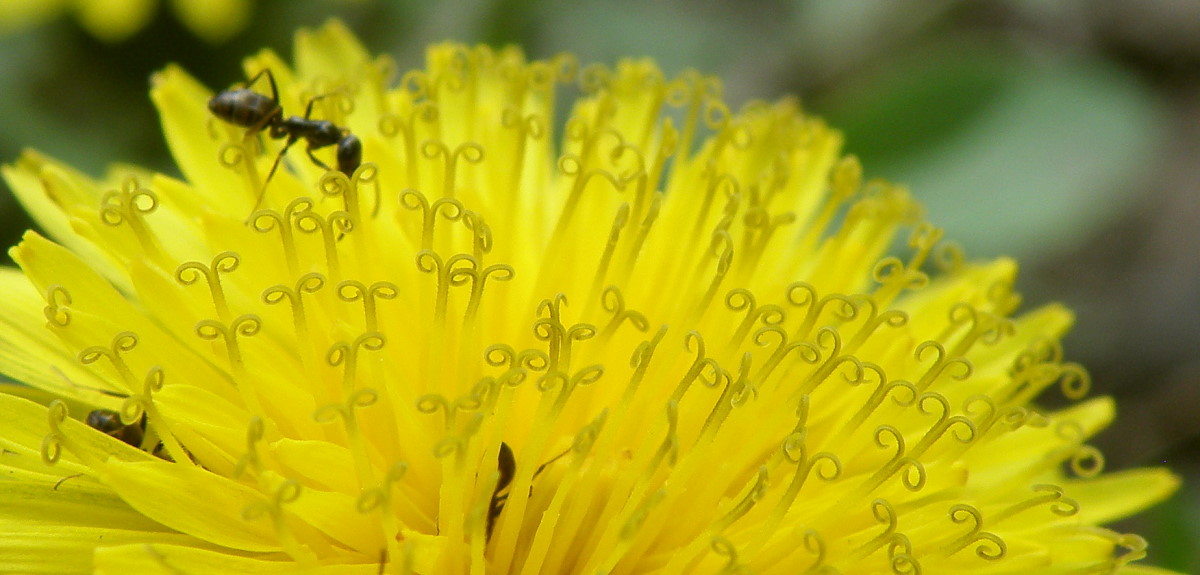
1174, 532
602, 31
1009, 154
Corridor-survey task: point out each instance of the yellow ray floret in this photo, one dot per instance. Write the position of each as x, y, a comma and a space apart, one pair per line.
659, 337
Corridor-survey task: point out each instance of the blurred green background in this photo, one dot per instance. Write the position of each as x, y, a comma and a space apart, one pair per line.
1062, 132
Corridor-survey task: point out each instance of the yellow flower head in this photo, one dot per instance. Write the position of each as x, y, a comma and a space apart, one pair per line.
659, 337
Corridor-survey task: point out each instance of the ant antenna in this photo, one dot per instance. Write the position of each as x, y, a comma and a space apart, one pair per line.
68, 381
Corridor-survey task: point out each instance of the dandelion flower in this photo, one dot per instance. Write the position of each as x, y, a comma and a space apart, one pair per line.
659, 337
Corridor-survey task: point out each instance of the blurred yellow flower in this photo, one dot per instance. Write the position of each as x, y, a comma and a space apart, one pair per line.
661, 337
115, 20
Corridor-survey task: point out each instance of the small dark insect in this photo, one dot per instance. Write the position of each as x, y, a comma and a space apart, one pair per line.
506, 462
109, 422
249, 109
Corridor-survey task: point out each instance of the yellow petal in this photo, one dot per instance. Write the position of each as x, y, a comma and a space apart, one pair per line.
329, 52
194, 501
182, 108
29, 353
1120, 494
322, 462
100, 314
30, 429
336, 515
76, 503
165, 559
54, 195
44, 547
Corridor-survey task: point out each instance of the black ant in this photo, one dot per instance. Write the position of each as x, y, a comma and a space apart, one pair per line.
249, 109
507, 464
108, 421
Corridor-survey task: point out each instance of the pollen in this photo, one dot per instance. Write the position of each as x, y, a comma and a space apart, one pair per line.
414, 322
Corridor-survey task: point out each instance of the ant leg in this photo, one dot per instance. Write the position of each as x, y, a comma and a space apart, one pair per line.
107, 392
270, 80
543, 466
316, 161
308, 109
274, 165
275, 115
308, 116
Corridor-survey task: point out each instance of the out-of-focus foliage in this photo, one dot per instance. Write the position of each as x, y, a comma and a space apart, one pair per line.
1049, 152
116, 20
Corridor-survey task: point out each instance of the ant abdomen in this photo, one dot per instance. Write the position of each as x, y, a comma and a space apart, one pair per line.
245, 108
